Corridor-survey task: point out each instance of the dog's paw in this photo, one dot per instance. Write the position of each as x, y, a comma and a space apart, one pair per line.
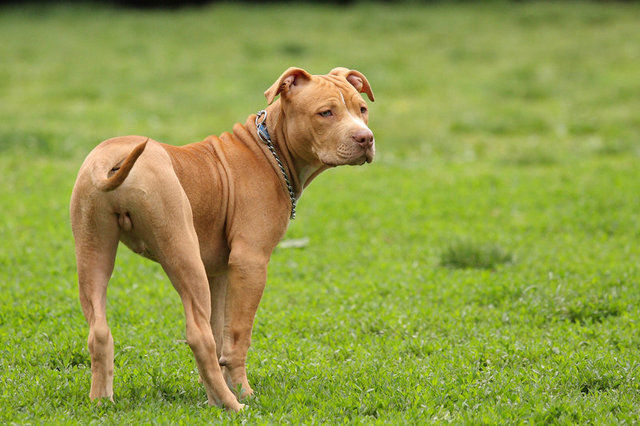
102, 400
245, 392
238, 385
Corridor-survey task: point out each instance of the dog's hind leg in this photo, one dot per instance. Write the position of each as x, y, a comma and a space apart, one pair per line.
171, 237
96, 238
218, 289
186, 272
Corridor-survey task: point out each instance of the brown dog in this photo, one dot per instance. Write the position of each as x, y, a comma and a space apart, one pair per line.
211, 213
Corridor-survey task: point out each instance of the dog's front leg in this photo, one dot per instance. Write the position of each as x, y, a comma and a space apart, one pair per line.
247, 278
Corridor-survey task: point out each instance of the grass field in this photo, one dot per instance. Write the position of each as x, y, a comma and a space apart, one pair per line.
485, 268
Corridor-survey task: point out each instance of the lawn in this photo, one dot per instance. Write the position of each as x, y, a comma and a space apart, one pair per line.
484, 268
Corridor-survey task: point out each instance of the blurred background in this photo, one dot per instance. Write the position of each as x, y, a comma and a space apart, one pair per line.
513, 82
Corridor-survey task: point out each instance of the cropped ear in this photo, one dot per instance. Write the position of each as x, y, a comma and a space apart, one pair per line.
356, 78
287, 82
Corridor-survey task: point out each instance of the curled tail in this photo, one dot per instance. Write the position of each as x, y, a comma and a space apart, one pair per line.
120, 171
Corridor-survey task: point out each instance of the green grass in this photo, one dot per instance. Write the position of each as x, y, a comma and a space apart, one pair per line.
508, 126
470, 254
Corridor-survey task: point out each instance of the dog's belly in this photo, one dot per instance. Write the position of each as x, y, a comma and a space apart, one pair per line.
214, 252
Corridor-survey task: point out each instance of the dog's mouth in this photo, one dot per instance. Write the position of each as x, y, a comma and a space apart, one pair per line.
350, 155
359, 161
369, 154
364, 158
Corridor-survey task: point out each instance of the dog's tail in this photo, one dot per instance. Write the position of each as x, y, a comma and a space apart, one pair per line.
119, 172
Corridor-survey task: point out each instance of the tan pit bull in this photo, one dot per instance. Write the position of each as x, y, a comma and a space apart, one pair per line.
211, 213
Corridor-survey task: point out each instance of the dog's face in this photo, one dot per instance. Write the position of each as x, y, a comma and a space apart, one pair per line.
326, 116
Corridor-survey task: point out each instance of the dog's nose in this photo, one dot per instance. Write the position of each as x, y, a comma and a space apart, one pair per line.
363, 137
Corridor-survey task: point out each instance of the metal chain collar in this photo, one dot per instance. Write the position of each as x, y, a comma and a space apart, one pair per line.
263, 134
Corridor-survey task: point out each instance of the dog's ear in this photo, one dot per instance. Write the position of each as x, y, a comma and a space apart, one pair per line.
286, 83
356, 78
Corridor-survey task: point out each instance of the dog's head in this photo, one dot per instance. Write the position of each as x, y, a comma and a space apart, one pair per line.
325, 115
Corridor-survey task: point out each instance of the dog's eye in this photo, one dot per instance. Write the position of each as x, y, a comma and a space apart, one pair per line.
363, 110
326, 113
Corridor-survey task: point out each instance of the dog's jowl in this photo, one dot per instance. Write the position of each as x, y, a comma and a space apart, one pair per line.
211, 213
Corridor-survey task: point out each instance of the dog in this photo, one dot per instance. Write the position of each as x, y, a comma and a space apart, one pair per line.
211, 213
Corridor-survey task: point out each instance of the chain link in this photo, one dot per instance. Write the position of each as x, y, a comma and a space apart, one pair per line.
263, 134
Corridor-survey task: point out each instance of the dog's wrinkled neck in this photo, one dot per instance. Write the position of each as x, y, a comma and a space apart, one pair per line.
274, 122
302, 171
